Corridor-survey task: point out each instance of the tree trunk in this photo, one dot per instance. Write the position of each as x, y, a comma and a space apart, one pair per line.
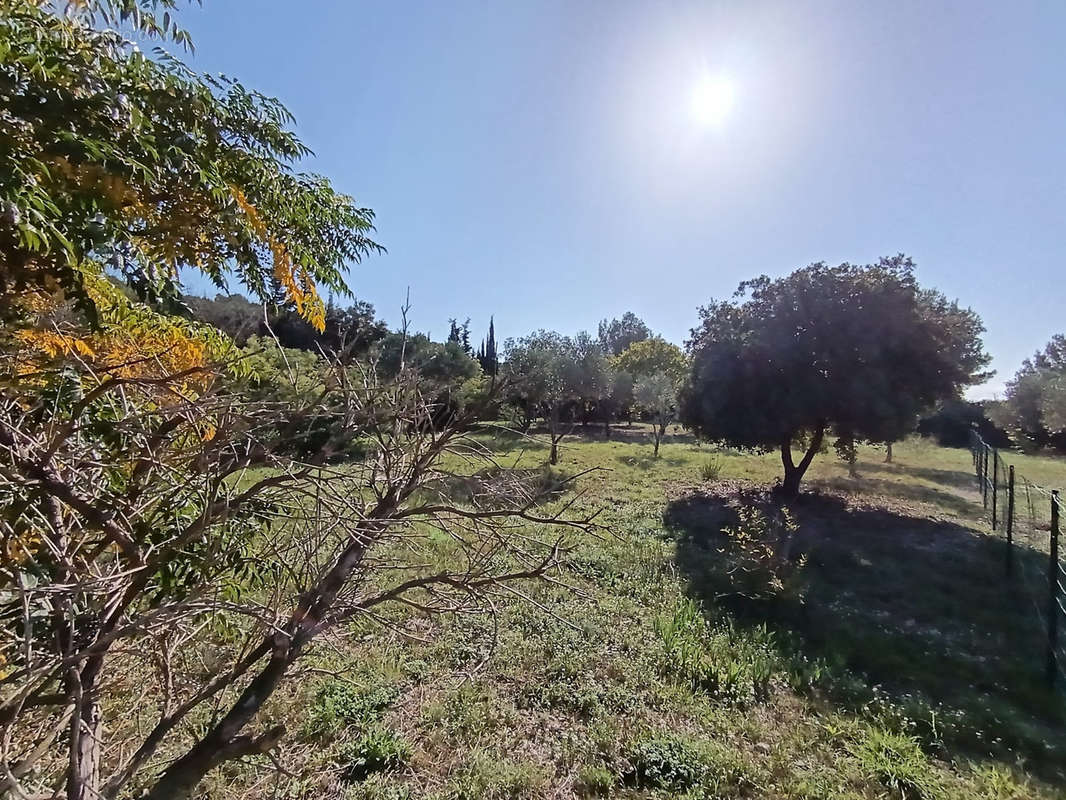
660, 429
794, 472
888, 453
83, 766
553, 432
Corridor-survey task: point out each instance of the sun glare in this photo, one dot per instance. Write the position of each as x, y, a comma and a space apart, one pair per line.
712, 100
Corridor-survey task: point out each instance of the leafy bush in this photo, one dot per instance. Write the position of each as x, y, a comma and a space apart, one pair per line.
338, 704
377, 750
666, 762
734, 666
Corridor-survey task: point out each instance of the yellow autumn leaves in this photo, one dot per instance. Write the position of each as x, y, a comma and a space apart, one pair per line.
299, 287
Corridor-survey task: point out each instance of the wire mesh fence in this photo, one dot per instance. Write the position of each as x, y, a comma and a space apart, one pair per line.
1028, 516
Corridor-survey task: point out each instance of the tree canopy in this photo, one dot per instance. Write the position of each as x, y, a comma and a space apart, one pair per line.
651, 356
858, 351
1034, 407
615, 335
549, 373
113, 159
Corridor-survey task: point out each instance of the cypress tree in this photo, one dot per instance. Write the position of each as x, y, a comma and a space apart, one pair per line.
487, 355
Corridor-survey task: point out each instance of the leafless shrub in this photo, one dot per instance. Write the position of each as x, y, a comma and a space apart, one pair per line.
166, 562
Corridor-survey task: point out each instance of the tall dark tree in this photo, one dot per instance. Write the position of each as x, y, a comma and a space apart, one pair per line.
856, 351
616, 335
487, 353
460, 335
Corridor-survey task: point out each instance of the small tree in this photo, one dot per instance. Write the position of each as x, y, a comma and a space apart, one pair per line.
855, 350
158, 531
550, 374
657, 394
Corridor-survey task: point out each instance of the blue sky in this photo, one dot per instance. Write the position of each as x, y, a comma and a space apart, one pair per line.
542, 162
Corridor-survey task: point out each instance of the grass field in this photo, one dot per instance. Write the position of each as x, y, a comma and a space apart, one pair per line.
875, 651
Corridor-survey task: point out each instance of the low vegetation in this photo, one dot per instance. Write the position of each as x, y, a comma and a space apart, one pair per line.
683, 655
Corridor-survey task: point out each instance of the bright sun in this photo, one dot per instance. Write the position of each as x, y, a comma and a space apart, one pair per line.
712, 100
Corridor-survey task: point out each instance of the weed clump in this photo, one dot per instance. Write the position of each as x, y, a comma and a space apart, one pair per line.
378, 749
339, 704
711, 469
666, 762
897, 762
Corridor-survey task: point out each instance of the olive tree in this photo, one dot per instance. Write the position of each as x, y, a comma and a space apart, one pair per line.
552, 375
856, 351
657, 394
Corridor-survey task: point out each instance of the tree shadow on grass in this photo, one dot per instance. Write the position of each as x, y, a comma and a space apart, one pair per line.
919, 607
955, 479
905, 493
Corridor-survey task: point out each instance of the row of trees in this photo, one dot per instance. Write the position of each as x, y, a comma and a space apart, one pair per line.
566, 379
852, 353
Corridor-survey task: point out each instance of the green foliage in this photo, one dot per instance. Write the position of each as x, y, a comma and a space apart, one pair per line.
616, 335
549, 373
666, 762
656, 394
445, 363
711, 469
861, 350
1034, 407
651, 356
594, 781
378, 749
896, 761
113, 157
339, 704
733, 667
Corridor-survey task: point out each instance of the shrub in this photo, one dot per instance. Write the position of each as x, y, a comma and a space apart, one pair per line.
711, 469
338, 704
594, 781
377, 750
666, 762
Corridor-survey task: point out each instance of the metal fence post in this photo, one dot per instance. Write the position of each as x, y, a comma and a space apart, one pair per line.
984, 475
1053, 591
995, 484
1010, 519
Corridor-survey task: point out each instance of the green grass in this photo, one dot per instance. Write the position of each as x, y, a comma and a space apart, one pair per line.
884, 656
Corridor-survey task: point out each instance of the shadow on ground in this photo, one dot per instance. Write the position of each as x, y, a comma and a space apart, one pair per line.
921, 608
904, 492
954, 479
